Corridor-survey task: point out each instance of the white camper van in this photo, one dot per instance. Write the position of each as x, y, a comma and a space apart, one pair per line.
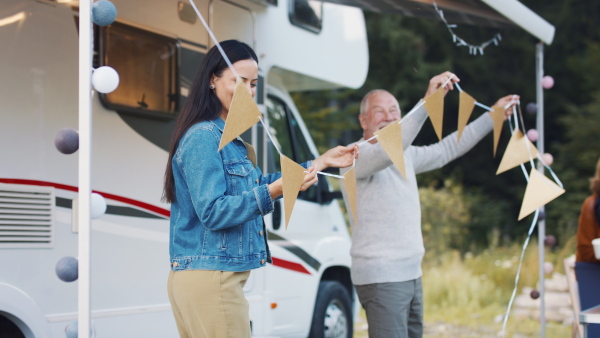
156, 46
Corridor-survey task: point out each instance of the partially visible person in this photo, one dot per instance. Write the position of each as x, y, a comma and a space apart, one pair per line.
387, 243
218, 198
589, 222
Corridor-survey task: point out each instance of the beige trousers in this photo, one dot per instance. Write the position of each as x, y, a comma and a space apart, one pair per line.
210, 304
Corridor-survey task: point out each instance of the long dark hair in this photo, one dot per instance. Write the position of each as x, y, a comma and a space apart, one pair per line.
202, 104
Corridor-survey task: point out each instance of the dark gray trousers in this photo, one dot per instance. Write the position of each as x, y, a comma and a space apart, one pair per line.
394, 310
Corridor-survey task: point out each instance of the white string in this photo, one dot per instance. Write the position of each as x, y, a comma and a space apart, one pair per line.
550, 170
327, 174
473, 50
521, 165
512, 297
484, 106
214, 38
448, 80
266, 128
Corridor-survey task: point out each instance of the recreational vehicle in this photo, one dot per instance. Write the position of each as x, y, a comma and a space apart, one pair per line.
156, 46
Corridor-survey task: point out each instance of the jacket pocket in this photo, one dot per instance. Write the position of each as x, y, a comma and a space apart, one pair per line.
239, 176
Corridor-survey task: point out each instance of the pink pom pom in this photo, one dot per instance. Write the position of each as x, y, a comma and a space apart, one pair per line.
533, 135
548, 268
547, 82
548, 159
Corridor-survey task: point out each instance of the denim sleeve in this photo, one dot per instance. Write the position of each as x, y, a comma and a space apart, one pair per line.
205, 178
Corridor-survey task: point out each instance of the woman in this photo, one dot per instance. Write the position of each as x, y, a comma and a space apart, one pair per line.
218, 198
589, 222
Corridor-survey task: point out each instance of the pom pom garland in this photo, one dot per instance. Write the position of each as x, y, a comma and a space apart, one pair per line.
550, 241
547, 82
531, 108
103, 12
533, 135
98, 205
105, 79
67, 269
67, 141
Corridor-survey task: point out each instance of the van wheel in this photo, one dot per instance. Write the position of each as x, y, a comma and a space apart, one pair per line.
332, 317
8, 329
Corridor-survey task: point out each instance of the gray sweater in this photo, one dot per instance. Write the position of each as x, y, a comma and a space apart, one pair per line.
387, 244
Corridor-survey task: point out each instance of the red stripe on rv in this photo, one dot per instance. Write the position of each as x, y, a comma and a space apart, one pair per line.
138, 204
282, 263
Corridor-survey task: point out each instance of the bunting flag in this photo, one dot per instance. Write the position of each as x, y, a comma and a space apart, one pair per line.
498, 117
519, 150
465, 108
243, 114
292, 175
434, 104
390, 138
540, 190
350, 186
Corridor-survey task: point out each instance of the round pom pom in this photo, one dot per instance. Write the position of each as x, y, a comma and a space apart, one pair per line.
67, 269
531, 108
105, 79
103, 12
534, 294
548, 268
67, 141
98, 205
548, 159
533, 135
547, 82
541, 216
71, 330
550, 241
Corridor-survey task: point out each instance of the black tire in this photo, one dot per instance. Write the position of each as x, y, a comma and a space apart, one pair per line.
333, 312
8, 329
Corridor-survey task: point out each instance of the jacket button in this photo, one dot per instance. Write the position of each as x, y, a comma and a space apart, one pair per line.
175, 264
256, 181
260, 233
262, 261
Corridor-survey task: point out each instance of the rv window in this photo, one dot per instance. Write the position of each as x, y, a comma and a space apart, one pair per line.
146, 63
278, 127
291, 141
307, 14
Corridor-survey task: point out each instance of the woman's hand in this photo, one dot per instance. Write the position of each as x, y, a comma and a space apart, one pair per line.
309, 179
509, 101
338, 157
276, 188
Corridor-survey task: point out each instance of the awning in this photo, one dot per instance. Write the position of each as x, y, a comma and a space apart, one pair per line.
489, 13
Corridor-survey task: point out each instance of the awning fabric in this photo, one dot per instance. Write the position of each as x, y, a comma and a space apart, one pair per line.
488, 13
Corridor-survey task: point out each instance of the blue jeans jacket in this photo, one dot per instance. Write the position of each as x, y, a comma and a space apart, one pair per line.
220, 198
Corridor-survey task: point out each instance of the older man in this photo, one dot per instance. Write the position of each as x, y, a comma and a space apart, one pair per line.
387, 244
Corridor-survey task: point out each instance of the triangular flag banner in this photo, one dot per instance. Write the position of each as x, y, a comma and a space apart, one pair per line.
540, 190
390, 138
292, 175
350, 186
243, 114
434, 104
498, 117
465, 108
517, 152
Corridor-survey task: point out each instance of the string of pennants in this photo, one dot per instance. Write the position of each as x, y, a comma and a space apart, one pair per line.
244, 113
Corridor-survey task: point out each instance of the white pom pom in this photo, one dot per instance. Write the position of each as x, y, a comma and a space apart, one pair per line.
105, 79
98, 205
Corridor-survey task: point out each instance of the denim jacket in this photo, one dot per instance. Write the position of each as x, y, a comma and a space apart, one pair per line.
220, 198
